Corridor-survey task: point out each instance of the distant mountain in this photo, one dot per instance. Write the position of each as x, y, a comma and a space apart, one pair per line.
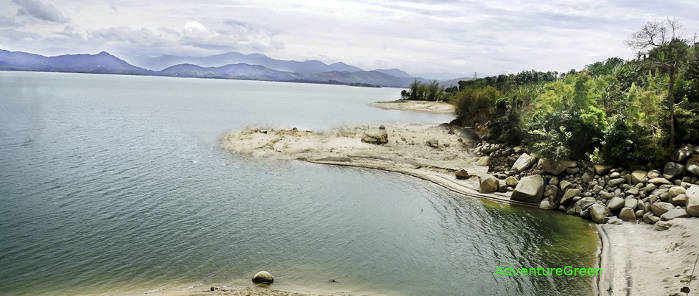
395, 72
454, 82
102, 62
105, 63
305, 67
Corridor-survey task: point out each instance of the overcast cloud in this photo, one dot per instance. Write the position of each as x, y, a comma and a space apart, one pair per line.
441, 36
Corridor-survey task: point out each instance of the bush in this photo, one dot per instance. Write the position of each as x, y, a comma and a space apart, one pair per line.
475, 105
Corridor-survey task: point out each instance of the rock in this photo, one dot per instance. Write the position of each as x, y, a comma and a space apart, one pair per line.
378, 138
605, 194
553, 181
483, 161
489, 184
627, 214
684, 152
693, 201
614, 175
639, 213
662, 225
672, 169
659, 181
434, 143
564, 185
693, 164
679, 200
601, 169
382, 127
654, 174
569, 194
615, 182
502, 186
630, 202
572, 171
523, 162
529, 189
615, 203
614, 220
659, 208
599, 213
462, 174
546, 204
632, 191
676, 190
554, 167
586, 177
674, 213
263, 277
650, 218
639, 177
511, 181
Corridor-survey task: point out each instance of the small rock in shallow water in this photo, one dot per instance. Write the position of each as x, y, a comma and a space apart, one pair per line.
263, 277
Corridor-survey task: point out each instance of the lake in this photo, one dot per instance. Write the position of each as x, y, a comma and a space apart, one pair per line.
116, 184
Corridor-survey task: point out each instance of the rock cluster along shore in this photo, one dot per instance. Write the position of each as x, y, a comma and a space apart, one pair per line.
600, 193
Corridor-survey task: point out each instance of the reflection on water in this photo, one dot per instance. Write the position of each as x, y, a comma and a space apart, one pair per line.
114, 184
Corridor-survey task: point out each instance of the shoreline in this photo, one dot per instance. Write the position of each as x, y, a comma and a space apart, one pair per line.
415, 105
435, 154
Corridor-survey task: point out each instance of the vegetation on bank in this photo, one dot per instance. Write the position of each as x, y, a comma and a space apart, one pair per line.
612, 112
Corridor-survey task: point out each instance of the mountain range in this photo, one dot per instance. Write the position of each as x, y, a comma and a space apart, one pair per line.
230, 65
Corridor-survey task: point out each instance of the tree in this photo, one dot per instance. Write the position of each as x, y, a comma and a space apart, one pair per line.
667, 52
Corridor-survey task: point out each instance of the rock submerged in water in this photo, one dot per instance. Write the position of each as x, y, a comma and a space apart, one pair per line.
263, 277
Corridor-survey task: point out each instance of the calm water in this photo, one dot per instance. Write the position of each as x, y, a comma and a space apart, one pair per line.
114, 184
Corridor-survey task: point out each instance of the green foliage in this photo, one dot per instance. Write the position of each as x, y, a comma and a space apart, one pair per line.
475, 105
424, 91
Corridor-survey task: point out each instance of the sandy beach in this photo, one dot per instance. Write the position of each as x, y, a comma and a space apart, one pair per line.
413, 105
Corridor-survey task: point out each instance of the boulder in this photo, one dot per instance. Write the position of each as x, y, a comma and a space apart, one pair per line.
679, 200
483, 161
554, 167
676, 190
615, 203
654, 174
569, 194
529, 189
684, 152
662, 225
659, 181
564, 185
674, 213
434, 143
614, 221
615, 182
659, 208
523, 162
639, 177
489, 184
263, 277
693, 201
601, 169
630, 202
511, 181
672, 169
462, 174
375, 138
627, 214
693, 164
599, 213
650, 218
547, 204
605, 195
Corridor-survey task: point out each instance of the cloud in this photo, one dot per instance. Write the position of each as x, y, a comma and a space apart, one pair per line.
36, 9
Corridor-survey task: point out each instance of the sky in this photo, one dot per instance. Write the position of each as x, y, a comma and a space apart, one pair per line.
445, 38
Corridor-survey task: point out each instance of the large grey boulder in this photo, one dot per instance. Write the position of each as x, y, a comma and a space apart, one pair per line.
263, 277
639, 177
672, 169
659, 208
489, 184
554, 167
615, 203
529, 189
627, 214
693, 200
599, 213
524, 162
674, 213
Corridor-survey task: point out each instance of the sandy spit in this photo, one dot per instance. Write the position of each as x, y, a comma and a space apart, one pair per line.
638, 260
413, 105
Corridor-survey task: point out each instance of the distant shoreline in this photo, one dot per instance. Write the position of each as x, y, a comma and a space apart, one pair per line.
214, 78
416, 105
